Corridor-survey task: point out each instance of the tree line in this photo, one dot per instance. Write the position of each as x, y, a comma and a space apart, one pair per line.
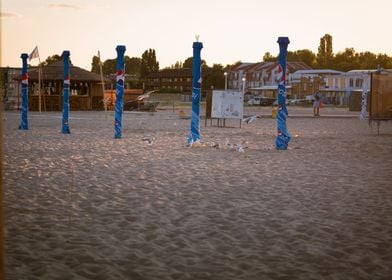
345, 60
140, 67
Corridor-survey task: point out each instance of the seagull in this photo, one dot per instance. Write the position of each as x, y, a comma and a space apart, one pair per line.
250, 119
145, 95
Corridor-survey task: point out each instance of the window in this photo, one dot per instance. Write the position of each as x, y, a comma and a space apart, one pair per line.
358, 83
351, 82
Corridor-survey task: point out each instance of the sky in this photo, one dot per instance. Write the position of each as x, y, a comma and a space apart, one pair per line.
230, 30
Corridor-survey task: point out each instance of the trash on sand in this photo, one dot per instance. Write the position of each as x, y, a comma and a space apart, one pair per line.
238, 148
192, 143
227, 146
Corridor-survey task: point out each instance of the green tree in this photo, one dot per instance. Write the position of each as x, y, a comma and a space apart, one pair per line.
188, 63
149, 63
325, 52
177, 65
95, 65
347, 60
53, 58
132, 65
215, 77
384, 61
268, 57
367, 60
305, 56
109, 66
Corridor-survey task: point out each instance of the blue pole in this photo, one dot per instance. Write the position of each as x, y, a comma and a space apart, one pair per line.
66, 84
196, 88
25, 83
119, 91
283, 137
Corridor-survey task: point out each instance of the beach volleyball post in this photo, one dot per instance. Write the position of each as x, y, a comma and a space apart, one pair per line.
196, 90
66, 85
25, 83
283, 137
119, 91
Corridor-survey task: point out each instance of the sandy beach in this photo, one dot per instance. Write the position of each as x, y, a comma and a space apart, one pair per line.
88, 206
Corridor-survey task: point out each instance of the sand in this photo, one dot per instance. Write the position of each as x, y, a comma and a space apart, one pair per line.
87, 206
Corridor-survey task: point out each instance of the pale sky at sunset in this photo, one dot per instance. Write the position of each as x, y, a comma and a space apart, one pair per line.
230, 30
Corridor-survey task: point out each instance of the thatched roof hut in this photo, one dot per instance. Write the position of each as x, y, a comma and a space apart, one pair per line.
85, 89
54, 72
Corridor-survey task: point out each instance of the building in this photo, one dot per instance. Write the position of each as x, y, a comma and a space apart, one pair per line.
171, 80
261, 78
10, 87
337, 87
357, 82
307, 82
176, 84
236, 74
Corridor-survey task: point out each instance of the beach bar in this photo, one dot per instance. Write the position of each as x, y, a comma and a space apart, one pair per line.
85, 91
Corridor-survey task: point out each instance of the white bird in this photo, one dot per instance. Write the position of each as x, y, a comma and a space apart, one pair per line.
145, 95
250, 119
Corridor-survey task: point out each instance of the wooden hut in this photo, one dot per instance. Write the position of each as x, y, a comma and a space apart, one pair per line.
381, 96
85, 89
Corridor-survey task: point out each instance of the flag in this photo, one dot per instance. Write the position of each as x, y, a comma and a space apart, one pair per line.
34, 53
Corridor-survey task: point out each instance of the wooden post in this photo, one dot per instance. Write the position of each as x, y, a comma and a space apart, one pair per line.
39, 89
103, 85
2, 255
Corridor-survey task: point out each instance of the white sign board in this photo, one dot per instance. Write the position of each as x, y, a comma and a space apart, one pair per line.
227, 104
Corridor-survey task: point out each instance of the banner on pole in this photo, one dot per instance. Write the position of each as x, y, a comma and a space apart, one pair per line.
66, 85
25, 84
119, 92
283, 136
194, 135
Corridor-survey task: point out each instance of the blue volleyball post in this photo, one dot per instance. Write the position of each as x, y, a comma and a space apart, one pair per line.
283, 137
25, 83
196, 89
119, 91
66, 85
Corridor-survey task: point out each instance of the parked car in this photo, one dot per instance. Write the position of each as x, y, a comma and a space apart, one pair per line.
276, 102
259, 100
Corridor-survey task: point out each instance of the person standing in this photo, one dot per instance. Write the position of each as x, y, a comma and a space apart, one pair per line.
316, 104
